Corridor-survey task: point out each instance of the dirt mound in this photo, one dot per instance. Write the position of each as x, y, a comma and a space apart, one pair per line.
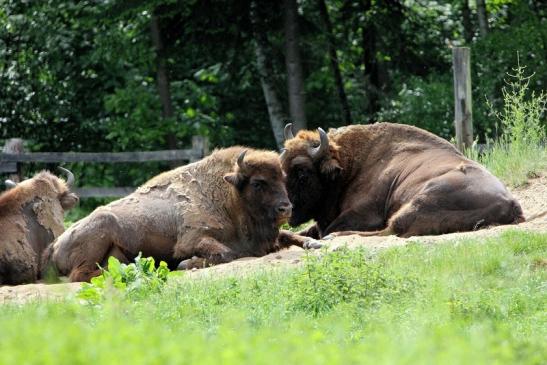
25, 293
532, 196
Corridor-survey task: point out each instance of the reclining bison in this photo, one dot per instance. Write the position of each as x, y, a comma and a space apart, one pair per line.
226, 206
389, 179
31, 217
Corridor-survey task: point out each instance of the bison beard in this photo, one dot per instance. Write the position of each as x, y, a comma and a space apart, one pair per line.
31, 217
386, 179
226, 206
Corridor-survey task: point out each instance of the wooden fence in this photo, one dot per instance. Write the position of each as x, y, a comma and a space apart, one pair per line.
13, 155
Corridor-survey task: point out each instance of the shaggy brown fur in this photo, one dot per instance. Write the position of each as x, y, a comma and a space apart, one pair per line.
31, 217
204, 213
391, 179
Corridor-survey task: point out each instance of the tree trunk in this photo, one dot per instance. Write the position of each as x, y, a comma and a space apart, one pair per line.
467, 26
483, 17
265, 72
334, 61
295, 83
163, 80
372, 72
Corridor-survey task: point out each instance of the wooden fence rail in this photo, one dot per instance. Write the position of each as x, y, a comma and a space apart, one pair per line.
13, 154
108, 157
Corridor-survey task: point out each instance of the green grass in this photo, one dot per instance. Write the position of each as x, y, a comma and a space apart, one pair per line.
480, 302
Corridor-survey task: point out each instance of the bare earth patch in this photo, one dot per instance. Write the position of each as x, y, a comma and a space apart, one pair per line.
532, 197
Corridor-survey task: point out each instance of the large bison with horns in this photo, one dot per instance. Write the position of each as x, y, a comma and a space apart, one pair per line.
31, 217
387, 178
226, 206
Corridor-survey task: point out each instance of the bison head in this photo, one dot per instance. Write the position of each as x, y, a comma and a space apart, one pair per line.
260, 184
47, 185
312, 167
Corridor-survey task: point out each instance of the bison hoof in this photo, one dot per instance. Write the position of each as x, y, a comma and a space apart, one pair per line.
312, 244
187, 264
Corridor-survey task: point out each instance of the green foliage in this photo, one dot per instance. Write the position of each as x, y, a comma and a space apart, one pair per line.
343, 277
135, 279
495, 56
425, 103
518, 153
481, 301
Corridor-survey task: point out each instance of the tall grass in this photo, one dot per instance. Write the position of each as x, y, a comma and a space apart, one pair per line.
519, 153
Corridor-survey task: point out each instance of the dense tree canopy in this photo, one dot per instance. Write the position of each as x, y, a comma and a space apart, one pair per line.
100, 75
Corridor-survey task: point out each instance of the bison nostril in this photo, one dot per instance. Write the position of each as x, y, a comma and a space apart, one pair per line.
284, 208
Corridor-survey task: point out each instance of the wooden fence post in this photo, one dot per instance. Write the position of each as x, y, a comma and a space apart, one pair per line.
13, 146
463, 115
201, 144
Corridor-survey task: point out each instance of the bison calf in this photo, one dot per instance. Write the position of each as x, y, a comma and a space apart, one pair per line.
223, 207
31, 217
389, 179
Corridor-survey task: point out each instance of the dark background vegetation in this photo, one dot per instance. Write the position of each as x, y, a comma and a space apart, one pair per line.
148, 74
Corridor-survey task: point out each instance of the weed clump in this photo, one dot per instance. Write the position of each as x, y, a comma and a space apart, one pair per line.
344, 276
519, 152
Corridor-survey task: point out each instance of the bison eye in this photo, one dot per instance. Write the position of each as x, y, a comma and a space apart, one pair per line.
257, 184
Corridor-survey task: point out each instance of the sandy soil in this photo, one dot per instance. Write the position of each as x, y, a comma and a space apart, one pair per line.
533, 199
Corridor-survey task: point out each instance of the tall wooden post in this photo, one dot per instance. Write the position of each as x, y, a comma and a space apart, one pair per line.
13, 146
463, 115
201, 145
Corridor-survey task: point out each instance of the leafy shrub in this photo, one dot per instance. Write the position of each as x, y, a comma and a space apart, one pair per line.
343, 276
134, 279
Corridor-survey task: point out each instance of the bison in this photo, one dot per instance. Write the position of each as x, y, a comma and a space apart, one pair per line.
228, 205
388, 178
31, 217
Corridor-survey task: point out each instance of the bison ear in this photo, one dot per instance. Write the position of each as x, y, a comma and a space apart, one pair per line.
68, 201
331, 168
234, 178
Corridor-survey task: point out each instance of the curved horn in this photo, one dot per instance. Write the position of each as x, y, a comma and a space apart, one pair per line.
70, 176
10, 184
282, 154
321, 150
240, 159
288, 131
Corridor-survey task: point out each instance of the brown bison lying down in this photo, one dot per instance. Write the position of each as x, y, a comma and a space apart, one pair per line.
226, 206
389, 179
31, 217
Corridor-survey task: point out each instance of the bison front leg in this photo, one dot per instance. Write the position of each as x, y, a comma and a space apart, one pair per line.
313, 231
208, 252
363, 218
288, 238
